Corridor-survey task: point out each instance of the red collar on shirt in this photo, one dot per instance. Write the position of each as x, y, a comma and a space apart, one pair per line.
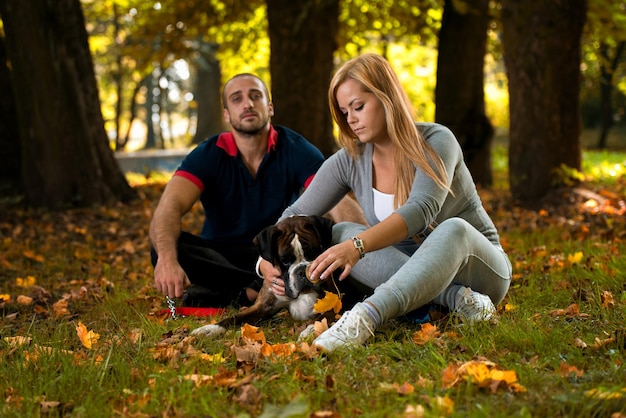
226, 141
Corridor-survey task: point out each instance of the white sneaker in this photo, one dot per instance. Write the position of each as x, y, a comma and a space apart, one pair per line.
473, 306
352, 329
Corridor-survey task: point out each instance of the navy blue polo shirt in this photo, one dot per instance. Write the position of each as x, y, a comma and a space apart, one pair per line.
236, 205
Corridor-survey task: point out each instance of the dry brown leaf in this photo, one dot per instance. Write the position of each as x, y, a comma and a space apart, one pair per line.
325, 414
248, 396
607, 299
199, 379
566, 371
403, 389
578, 343
414, 411
570, 311
320, 326
251, 334
61, 308
24, 300
427, 332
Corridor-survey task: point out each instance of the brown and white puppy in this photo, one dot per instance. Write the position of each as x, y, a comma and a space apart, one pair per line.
290, 246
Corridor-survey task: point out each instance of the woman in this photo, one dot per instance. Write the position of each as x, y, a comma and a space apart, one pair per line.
429, 239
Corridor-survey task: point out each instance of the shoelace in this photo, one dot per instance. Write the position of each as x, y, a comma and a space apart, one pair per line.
355, 326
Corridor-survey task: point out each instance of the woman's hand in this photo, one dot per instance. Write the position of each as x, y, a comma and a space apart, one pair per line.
271, 276
340, 256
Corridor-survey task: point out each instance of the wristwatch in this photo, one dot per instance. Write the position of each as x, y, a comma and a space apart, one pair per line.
358, 244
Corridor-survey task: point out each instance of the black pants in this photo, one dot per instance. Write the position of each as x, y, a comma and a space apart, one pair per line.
219, 274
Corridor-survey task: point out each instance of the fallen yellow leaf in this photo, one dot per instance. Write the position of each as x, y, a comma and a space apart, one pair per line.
330, 301
575, 258
87, 337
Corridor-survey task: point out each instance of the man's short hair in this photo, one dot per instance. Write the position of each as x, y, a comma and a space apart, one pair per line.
266, 91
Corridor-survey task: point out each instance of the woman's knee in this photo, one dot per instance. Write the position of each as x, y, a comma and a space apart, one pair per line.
455, 228
343, 231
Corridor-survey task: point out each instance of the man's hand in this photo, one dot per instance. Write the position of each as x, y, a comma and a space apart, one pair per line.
271, 276
170, 278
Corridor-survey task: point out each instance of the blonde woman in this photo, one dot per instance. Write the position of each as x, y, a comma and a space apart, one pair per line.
429, 239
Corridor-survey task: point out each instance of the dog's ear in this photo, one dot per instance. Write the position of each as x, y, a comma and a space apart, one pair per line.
265, 241
324, 228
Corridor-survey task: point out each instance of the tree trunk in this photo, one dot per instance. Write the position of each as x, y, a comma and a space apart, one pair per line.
151, 137
208, 79
66, 158
608, 67
459, 94
303, 39
9, 131
542, 53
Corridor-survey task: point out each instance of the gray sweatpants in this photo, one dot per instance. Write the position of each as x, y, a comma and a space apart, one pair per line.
454, 255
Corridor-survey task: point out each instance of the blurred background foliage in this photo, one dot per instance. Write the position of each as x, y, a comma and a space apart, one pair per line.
148, 56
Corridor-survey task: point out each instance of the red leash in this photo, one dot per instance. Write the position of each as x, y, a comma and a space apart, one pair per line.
189, 311
175, 312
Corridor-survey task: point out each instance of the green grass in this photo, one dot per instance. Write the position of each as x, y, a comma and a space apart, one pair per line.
129, 374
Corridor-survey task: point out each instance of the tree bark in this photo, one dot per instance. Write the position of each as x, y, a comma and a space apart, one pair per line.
542, 53
459, 94
207, 86
608, 66
9, 131
66, 158
303, 40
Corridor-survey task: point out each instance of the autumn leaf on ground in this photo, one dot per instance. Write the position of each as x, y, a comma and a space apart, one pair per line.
330, 301
320, 326
566, 371
618, 338
414, 411
31, 255
607, 299
5, 298
29, 281
60, 308
251, 334
24, 300
87, 337
428, 332
199, 379
403, 389
213, 358
442, 405
570, 311
482, 373
575, 258
606, 394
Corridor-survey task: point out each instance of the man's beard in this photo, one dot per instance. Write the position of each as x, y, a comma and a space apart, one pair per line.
250, 130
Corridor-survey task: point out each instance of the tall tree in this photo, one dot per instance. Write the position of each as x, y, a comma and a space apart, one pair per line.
542, 53
66, 157
9, 130
208, 81
459, 95
604, 46
303, 39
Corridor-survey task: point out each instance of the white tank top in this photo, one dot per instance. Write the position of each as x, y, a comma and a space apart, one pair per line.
383, 204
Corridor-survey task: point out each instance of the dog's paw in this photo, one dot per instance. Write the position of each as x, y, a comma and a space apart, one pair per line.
212, 330
307, 332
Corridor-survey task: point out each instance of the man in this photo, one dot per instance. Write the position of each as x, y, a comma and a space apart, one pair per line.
244, 179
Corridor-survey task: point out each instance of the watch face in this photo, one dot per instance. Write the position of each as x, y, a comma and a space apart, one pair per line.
358, 244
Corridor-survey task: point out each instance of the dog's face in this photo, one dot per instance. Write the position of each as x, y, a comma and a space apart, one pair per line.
291, 245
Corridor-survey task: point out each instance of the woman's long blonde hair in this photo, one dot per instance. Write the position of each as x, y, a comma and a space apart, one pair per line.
377, 77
